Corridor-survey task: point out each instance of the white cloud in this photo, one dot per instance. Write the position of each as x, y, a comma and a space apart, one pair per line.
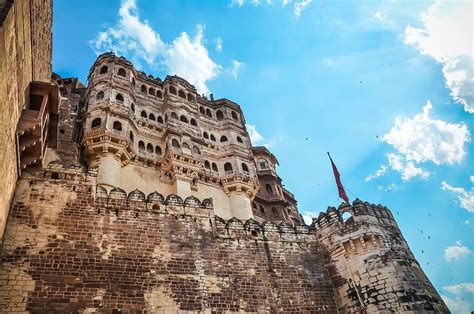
388, 188
466, 198
189, 58
423, 139
135, 39
130, 36
460, 288
308, 217
255, 137
457, 305
466, 222
237, 3
236, 67
454, 252
219, 44
379, 16
380, 172
406, 168
300, 6
447, 37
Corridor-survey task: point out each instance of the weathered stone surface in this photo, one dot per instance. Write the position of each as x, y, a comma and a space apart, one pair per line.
25, 56
60, 253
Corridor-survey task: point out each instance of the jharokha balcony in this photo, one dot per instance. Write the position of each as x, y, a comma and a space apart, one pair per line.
37, 126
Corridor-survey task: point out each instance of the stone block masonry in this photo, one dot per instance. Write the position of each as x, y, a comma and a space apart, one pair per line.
25, 56
73, 247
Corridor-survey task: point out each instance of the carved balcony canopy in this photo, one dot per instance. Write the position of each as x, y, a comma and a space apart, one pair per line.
38, 124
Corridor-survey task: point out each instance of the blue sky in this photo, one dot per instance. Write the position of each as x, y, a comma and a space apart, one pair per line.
386, 87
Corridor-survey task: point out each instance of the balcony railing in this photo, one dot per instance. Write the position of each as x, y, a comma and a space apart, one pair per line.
37, 126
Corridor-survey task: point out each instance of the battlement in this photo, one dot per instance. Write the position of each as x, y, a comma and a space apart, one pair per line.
358, 211
265, 231
116, 199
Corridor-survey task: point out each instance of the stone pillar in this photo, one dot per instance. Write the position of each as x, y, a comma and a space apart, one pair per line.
240, 205
109, 169
182, 186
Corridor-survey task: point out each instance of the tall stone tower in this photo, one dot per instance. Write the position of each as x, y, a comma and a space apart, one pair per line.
141, 132
371, 265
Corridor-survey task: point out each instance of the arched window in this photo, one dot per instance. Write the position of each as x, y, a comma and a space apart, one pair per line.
239, 139
184, 119
263, 164
130, 135
182, 94
269, 189
228, 167
185, 145
214, 167
143, 114
104, 69
213, 138
207, 165
149, 148
159, 119
234, 115
209, 113
193, 122
151, 91
202, 110
262, 210
132, 106
141, 145
158, 150
174, 116
190, 97
159, 94
223, 139
175, 143
172, 90
99, 95
55, 176
245, 167
133, 81
96, 123
143, 89
254, 205
119, 97
205, 135
274, 212
346, 217
196, 150
219, 115
152, 117
117, 126
122, 72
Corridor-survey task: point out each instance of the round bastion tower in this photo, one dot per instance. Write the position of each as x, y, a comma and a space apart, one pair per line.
153, 135
372, 267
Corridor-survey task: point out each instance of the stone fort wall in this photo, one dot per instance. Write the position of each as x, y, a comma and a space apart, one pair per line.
25, 56
72, 246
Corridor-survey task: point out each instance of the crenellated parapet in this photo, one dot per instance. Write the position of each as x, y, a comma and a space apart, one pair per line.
117, 200
250, 229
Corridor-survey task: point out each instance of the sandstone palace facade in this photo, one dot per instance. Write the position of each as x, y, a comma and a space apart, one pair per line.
133, 194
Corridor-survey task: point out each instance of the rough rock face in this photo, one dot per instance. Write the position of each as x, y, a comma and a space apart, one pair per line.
71, 246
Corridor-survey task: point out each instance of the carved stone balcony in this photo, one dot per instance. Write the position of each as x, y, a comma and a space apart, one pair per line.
38, 123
